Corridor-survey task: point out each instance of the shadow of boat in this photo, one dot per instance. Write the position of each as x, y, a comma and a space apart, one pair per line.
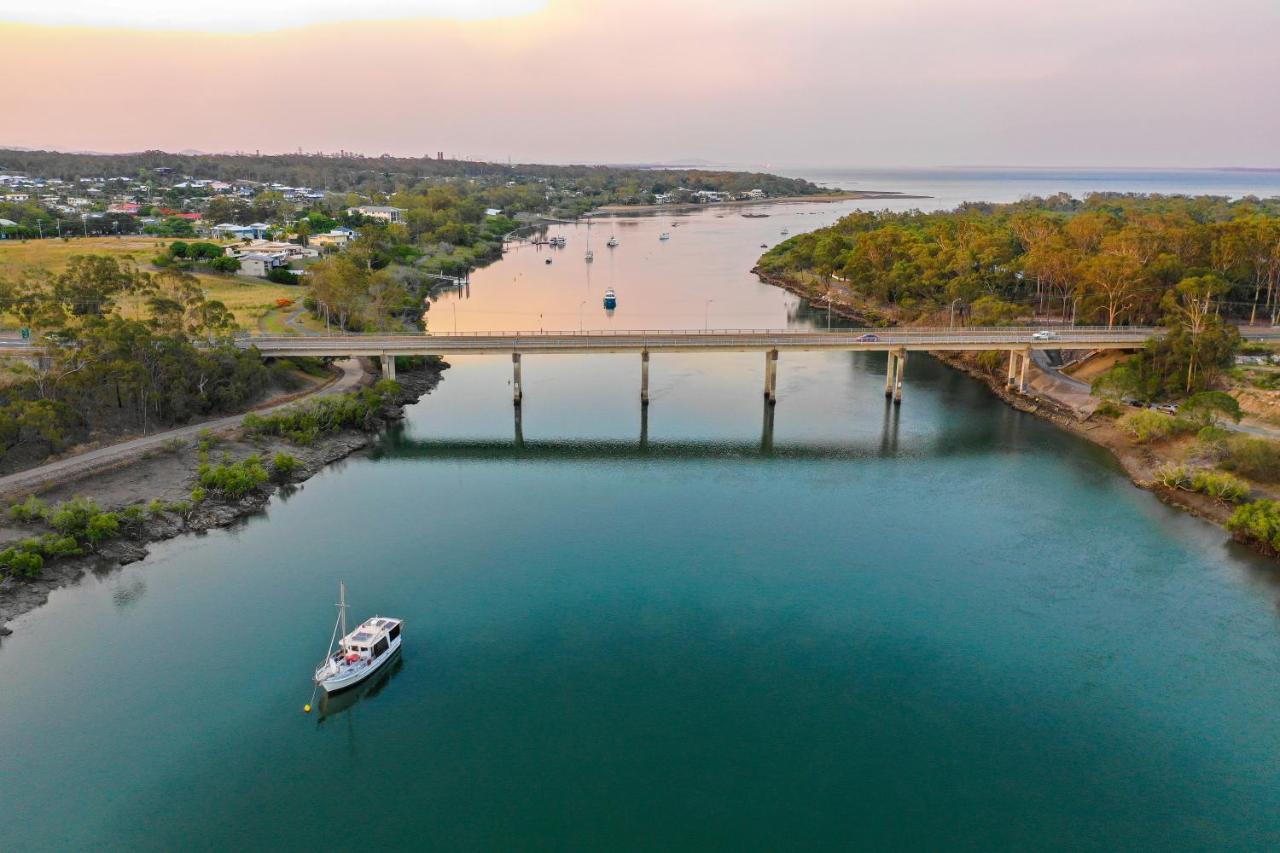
337, 703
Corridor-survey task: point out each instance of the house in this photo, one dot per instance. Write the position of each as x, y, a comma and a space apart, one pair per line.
260, 263
493, 211
17, 197
130, 207
231, 231
289, 251
338, 237
378, 211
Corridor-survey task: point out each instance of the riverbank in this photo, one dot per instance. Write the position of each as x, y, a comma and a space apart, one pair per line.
841, 195
1139, 461
166, 478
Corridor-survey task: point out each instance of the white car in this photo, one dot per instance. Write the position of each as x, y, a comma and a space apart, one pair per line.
1043, 335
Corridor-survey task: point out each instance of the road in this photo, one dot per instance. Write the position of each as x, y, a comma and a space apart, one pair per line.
93, 461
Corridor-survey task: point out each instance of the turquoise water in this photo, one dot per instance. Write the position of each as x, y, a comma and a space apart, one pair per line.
840, 624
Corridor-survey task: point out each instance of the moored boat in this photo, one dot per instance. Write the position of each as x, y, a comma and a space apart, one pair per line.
664, 236
610, 299
360, 653
590, 256
613, 241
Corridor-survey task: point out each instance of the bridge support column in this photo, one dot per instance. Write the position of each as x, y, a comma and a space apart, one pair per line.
901, 373
644, 378
1013, 361
1022, 378
890, 368
771, 376
388, 366
517, 393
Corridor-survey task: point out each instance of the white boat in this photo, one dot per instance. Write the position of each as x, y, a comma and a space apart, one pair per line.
359, 654
590, 256
610, 299
613, 241
664, 236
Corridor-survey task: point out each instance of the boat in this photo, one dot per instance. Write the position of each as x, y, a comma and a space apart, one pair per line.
359, 654
764, 245
664, 236
590, 256
548, 260
610, 299
613, 241
785, 232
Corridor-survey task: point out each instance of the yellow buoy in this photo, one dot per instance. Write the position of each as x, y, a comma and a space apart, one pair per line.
306, 709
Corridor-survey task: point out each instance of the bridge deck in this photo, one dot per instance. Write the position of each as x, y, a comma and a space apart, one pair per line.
734, 340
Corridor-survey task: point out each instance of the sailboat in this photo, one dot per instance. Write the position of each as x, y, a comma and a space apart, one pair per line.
613, 241
359, 654
591, 256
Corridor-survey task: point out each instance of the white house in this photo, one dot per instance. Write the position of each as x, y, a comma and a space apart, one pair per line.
378, 211
260, 263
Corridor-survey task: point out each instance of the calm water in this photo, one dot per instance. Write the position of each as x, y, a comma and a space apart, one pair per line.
947, 625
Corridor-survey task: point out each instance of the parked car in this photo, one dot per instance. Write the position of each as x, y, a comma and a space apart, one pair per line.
1167, 408
868, 338
1043, 335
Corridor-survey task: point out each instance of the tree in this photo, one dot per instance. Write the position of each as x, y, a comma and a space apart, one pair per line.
1192, 305
1111, 285
1208, 406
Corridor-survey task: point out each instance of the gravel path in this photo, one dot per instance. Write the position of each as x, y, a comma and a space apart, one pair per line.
92, 461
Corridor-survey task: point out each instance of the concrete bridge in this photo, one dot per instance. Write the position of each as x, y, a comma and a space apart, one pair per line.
897, 342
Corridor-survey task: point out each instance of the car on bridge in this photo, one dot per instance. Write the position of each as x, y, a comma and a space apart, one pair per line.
1043, 335
868, 338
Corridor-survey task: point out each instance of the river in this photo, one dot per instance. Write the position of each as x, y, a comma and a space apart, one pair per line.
836, 624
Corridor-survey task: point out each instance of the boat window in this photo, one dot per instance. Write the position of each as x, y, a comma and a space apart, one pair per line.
380, 647
395, 632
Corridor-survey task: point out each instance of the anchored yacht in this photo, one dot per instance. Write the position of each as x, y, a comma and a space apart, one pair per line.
613, 241
360, 653
610, 299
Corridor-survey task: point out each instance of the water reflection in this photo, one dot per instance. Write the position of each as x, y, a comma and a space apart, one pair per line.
129, 593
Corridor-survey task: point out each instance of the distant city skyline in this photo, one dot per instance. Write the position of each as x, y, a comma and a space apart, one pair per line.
756, 84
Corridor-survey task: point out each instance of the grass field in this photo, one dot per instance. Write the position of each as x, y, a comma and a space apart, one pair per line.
247, 298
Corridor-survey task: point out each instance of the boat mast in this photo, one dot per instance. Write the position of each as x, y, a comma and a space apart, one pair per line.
342, 607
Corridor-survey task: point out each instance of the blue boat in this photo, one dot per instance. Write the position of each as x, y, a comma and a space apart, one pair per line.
610, 299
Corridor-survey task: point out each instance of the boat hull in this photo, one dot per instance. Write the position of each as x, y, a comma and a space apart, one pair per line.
347, 680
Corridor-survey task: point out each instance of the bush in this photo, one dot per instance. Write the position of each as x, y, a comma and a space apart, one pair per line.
1258, 523
283, 465
71, 518
101, 527
32, 509
22, 563
1173, 476
198, 494
281, 275
1146, 425
1217, 484
1108, 409
225, 264
303, 423
235, 479
1255, 458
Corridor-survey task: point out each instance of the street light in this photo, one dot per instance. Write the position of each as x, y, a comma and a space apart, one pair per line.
706, 315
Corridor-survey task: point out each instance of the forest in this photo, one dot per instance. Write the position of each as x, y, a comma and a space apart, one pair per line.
1107, 259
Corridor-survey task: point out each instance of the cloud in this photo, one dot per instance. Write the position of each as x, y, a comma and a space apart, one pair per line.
241, 16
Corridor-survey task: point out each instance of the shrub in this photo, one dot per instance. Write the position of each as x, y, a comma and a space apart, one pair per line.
1109, 409
1173, 476
1146, 425
156, 507
32, 509
53, 546
303, 423
72, 517
283, 465
1255, 458
1222, 486
234, 479
1258, 523
22, 563
1207, 406
198, 494
101, 527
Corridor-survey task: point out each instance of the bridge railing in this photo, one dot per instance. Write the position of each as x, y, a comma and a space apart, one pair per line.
896, 332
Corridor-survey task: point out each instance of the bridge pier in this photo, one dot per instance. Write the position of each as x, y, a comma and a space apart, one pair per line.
644, 378
771, 376
891, 364
516, 391
901, 374
388, 366
1018, 360
766, 430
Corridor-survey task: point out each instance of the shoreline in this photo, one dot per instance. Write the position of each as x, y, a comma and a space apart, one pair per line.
820, 198
176, 471
1137, 461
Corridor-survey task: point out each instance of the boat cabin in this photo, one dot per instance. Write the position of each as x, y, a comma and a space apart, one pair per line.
372, 638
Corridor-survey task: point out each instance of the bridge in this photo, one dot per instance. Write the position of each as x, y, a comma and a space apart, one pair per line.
897, 342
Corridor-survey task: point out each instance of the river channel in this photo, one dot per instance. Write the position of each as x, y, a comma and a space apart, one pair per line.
834, 624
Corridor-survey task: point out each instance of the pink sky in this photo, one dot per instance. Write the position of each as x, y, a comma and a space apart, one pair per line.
864, 82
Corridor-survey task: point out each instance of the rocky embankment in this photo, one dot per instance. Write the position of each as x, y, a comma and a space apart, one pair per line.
168, 477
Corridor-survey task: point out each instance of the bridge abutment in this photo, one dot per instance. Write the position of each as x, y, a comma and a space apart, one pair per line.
644, 378
901, 374
388, 366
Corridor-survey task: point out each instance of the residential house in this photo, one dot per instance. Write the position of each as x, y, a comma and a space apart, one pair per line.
378, 211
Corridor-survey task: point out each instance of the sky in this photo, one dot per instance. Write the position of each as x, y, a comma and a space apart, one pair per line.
765, 83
